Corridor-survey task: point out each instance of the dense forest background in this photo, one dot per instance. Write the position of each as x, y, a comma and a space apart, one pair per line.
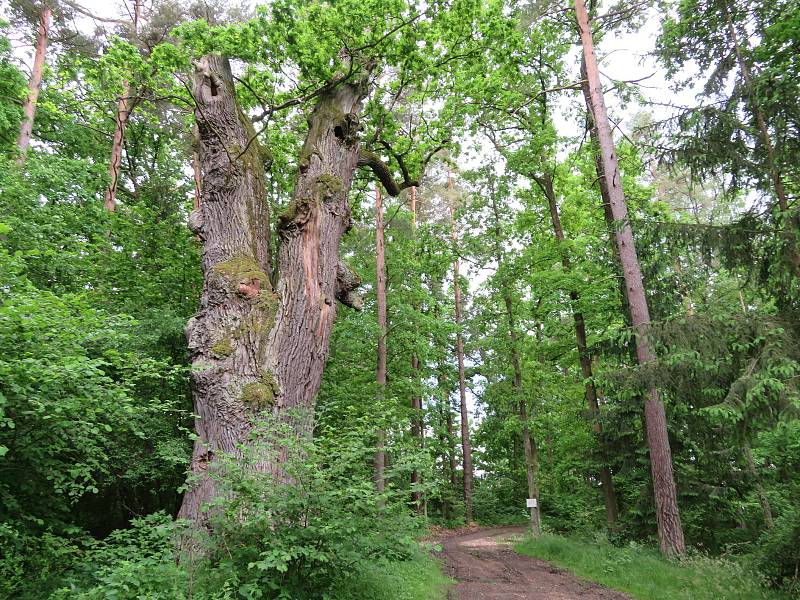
491, 352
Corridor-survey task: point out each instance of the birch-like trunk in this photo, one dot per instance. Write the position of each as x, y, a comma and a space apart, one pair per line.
117, 144
255, 349
670, 530
34, 85
124, 108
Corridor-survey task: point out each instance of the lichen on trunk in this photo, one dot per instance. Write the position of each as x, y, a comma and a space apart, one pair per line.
254, 348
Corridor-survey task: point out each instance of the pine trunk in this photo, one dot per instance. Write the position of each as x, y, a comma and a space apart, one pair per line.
257, 350
34, 86
670, 530
115, 164
124, 107
380, 372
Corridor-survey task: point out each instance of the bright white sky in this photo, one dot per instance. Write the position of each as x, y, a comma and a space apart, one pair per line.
624, 56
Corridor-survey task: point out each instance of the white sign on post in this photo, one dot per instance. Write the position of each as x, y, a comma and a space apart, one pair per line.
531, 503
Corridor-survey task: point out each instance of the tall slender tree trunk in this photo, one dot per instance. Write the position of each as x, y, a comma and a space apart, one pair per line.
528, 442
590, 392
416, 399
34, 85
446, 440
670, 530
529, 445
115, 164
466, 448
380, 372
256, 350
531, 469
790, 235
451, 436
124, 108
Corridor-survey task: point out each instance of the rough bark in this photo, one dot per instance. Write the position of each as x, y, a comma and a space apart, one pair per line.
257, 350
584, 357
34, 85
462, 385
670, 530
380, 371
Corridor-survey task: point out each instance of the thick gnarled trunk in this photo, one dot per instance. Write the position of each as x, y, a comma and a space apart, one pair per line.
257, 350
34, 85
670, 530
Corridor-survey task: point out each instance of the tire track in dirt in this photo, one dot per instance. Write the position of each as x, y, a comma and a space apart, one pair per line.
486, 568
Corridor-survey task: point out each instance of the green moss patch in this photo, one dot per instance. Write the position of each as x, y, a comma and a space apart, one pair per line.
240, 269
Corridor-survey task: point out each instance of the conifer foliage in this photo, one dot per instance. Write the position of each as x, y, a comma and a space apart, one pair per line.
282, 286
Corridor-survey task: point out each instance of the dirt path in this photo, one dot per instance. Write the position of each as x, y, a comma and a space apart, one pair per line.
486, 568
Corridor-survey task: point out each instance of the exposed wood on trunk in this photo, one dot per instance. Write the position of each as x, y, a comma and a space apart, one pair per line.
34, 85
670, 530
257, 350
196, 169
380, 371
124, 107
462, 385
790, 234
114, 165
545, 182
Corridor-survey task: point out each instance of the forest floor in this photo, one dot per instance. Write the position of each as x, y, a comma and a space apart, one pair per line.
485, 567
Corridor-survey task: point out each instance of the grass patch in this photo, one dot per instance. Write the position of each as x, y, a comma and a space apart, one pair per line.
419, 578
642, 573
